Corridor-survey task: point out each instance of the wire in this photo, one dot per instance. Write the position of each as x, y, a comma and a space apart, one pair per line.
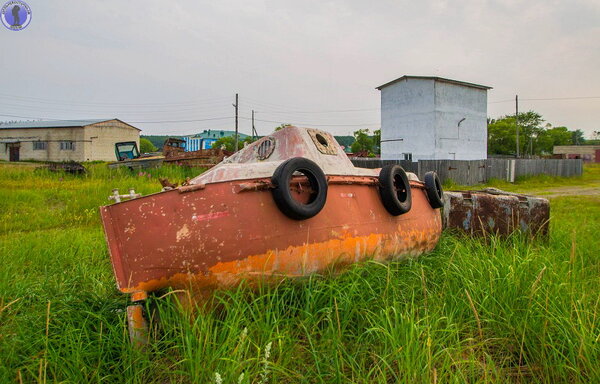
564, 98
181, 121
547, 99
500, 101
133, 122
55, 102
314, 125
91, 111
302, 112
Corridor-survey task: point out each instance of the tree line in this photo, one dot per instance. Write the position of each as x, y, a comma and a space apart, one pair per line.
535, 137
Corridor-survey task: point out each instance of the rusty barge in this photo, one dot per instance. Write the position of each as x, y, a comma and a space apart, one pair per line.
289, 204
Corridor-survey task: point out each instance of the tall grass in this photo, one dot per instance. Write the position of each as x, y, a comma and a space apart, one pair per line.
491, 310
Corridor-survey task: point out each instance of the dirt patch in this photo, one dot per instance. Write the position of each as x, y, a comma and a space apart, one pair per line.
567, 191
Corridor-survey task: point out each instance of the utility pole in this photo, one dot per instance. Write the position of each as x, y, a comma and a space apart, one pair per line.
254, 133
516, 121
236, 123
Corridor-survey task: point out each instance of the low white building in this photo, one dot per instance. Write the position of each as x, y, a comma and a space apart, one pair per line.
433, 118
64, 140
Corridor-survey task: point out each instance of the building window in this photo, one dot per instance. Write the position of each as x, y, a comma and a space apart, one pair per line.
40, 145
67, 146
408, 156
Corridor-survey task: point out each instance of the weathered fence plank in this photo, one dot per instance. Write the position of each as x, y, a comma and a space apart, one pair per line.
470, 172
408, 165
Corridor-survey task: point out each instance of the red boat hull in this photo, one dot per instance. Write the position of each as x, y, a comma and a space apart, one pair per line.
219, 234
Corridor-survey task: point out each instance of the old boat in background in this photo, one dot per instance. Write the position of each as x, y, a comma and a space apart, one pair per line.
175, 153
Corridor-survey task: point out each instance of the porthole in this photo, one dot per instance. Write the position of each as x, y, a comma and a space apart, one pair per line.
265, 148
323, 141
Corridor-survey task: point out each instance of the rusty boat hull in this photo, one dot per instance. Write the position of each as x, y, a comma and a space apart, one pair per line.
221, 234
224, 227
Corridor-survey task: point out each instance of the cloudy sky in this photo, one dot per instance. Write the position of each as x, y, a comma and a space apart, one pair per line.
174, 67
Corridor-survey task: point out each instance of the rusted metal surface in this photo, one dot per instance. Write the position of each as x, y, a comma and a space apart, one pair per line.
139, 163
225, 227
215, 236
71, 167
206, 158
137, 325
492, 211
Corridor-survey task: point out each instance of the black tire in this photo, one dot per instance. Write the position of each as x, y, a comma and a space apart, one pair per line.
291, 207
394, 189
433, 188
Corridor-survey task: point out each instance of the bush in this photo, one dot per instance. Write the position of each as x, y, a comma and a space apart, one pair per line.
147, 146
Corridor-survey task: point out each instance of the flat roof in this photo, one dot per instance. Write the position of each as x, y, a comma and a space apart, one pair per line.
435, 78
57, 123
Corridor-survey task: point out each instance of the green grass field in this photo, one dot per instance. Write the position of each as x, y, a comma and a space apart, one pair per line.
471, 311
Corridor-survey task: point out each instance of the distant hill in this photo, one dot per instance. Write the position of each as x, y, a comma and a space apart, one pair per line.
157, 140
345, 141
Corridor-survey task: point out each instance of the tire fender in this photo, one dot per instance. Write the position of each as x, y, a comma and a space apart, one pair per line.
433, 189
394, 190
282, 195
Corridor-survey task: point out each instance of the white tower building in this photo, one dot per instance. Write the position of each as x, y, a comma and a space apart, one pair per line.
425, 118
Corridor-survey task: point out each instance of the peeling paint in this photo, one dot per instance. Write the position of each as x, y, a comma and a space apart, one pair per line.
183, 233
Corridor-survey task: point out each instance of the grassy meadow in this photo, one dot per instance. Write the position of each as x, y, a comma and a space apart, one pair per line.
490, 310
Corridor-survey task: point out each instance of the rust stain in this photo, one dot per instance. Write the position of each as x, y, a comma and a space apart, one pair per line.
297, 261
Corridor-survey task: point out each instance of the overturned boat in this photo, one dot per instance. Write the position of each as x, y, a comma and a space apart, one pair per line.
287, 205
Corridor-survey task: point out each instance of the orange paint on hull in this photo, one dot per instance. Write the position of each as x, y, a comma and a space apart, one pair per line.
302, 260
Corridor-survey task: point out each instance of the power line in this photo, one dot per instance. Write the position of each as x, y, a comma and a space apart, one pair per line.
314, 125
273, 112
133, 122
565, 98
68, 102
87, 110
547, 99
500, 101
181, 121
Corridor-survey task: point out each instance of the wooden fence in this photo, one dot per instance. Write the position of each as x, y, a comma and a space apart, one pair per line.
470, 172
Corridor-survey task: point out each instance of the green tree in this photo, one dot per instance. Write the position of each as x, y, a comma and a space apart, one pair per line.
146, 146
229, 143
502, 133
280, 127
534, 138
577, 137
362, 141
502, 136
377, 140
547, 139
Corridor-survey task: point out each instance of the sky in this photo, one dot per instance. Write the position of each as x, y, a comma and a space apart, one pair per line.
175, 67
